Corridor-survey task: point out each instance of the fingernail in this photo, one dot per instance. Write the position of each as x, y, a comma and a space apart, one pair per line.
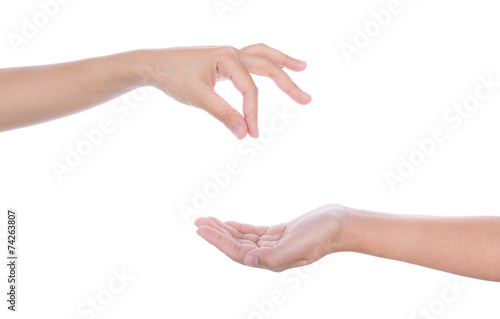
238, 131
301, 61
252, 261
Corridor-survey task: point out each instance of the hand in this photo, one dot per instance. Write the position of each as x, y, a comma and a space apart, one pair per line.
190, 74
277, 248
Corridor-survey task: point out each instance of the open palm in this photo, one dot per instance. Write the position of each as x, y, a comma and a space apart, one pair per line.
279, 247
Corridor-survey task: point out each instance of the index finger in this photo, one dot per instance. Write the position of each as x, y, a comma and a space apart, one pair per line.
276, 56
231, 68
248, 229
231, 248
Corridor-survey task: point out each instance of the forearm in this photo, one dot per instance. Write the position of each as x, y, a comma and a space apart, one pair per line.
468, 246
31, 95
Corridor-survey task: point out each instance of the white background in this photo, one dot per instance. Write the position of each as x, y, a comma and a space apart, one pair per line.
120, 207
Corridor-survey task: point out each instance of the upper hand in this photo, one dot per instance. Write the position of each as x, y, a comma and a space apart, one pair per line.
190, 74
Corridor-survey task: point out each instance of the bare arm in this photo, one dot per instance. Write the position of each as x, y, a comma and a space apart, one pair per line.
31, 95
467, 246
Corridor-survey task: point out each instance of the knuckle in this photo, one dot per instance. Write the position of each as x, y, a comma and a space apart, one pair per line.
260, 45
289, 90
273, 71
256, 47
335, 206
251, 90
291, 87
227, 50
225, 116
254, 90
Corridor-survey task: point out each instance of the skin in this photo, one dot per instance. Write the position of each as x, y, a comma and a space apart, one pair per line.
466, 246
32, 95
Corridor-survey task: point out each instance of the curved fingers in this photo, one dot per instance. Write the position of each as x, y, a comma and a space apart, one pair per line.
230, 67
248, 229
230, 247
222, 111
276, 56
265, 67
203, 221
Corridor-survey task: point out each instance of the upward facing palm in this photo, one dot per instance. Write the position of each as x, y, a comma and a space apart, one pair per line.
279, 247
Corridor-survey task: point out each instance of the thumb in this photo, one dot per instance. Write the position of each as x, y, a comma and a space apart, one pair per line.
221, 110
269, 258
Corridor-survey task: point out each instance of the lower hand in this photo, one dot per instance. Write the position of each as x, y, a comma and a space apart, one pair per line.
297, 243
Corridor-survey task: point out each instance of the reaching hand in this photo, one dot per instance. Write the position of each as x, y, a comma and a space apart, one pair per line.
32, 95
190, 74
294, 244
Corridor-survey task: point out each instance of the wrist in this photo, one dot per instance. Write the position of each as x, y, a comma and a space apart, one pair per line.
372, 233
341, 227
139, 66
128, 70
350, 233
